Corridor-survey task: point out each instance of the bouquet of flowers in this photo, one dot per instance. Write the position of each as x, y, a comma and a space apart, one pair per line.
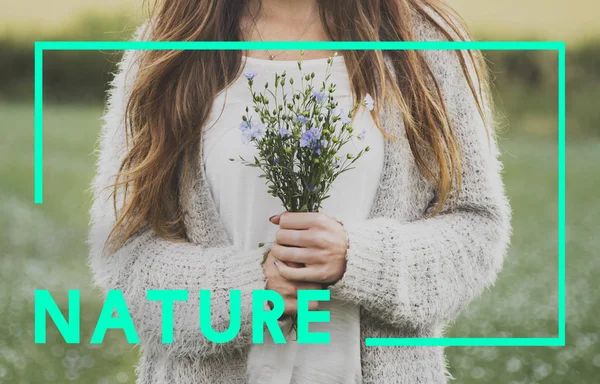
299, 130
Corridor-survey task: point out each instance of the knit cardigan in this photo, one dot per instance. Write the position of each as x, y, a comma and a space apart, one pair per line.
410, 273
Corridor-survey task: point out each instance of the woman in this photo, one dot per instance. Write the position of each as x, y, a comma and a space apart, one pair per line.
425, 219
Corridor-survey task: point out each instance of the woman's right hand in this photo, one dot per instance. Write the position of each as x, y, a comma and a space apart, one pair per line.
286, 288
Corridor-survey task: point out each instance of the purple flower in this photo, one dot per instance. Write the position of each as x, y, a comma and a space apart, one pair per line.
244, 126
276, 161
311, 189
368, 102
314, 207
344, 117
250, 75
361, 135
310, 137
258, 130
324, 143
251, 130
319, 96
301, 119
283, 132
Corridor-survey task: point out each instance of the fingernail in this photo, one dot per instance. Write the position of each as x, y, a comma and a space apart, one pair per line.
271, 218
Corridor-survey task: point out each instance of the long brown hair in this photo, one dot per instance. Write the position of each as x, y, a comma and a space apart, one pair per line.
173, 93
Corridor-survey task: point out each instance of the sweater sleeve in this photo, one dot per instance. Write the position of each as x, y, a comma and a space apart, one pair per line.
422, 273
147, 262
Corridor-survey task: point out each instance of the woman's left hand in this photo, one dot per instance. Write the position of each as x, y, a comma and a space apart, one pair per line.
314, 239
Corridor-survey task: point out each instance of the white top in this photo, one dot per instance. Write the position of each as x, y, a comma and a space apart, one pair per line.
245, 206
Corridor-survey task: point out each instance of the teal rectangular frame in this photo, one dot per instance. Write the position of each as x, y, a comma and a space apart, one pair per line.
559, 47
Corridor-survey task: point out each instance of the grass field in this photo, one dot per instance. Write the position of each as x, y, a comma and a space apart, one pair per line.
43, 247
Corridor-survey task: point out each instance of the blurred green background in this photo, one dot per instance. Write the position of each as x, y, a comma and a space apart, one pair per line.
43, 247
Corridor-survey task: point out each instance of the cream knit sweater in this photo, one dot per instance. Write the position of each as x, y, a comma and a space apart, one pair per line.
409, 274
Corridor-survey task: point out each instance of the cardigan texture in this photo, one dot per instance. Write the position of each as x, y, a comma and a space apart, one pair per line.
409, 273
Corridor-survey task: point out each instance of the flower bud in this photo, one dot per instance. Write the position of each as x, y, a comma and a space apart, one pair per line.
350, 156
288, 150
367, 149
316, 160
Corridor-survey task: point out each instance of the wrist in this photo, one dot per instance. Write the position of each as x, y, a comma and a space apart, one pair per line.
347, 239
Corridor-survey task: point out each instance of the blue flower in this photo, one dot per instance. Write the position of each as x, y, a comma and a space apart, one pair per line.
251, 130
257, 131
250, 75
244, 126
310, 137
311, 189
283, 132
344, 117
301, 119
368, 102
276, 161
361, 135
317, 148
319, 96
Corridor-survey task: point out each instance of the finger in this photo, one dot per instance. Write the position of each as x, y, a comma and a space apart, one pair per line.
310, 273
297, 255
304, 286
269, 269
281, 286
294, 238
290, 307
275, 219
294, 265
299, 220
